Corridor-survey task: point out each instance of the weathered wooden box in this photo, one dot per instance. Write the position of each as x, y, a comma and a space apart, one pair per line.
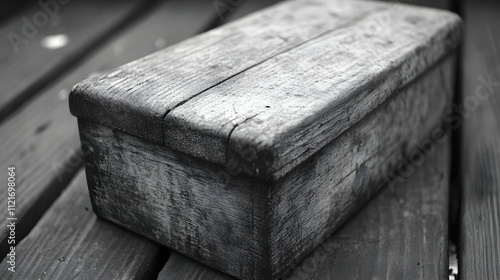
246, 146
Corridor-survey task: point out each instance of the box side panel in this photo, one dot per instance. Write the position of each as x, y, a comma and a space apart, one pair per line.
193, 207
319, 195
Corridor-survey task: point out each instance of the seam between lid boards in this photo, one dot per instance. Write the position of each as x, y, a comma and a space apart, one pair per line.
345, 24
447, 30
308, 41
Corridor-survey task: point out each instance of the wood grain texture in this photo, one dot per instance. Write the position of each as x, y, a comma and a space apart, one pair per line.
174, 199
41, 138
273, 116
318, 196
188, 205
26, 63
70, 242
401, 234
268, 91
479, 246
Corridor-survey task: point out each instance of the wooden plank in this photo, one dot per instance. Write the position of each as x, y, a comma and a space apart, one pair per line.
71, 242
41, 139
402, 233
47, 37
274, 123
479, 246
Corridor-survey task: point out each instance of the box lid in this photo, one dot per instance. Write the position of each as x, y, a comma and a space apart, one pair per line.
262, 94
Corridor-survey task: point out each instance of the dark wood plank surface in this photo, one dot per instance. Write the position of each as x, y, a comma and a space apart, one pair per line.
479, 246
70, 242
29, 59
401, 234
41, 139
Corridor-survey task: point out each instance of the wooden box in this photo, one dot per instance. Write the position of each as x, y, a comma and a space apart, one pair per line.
244, 147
